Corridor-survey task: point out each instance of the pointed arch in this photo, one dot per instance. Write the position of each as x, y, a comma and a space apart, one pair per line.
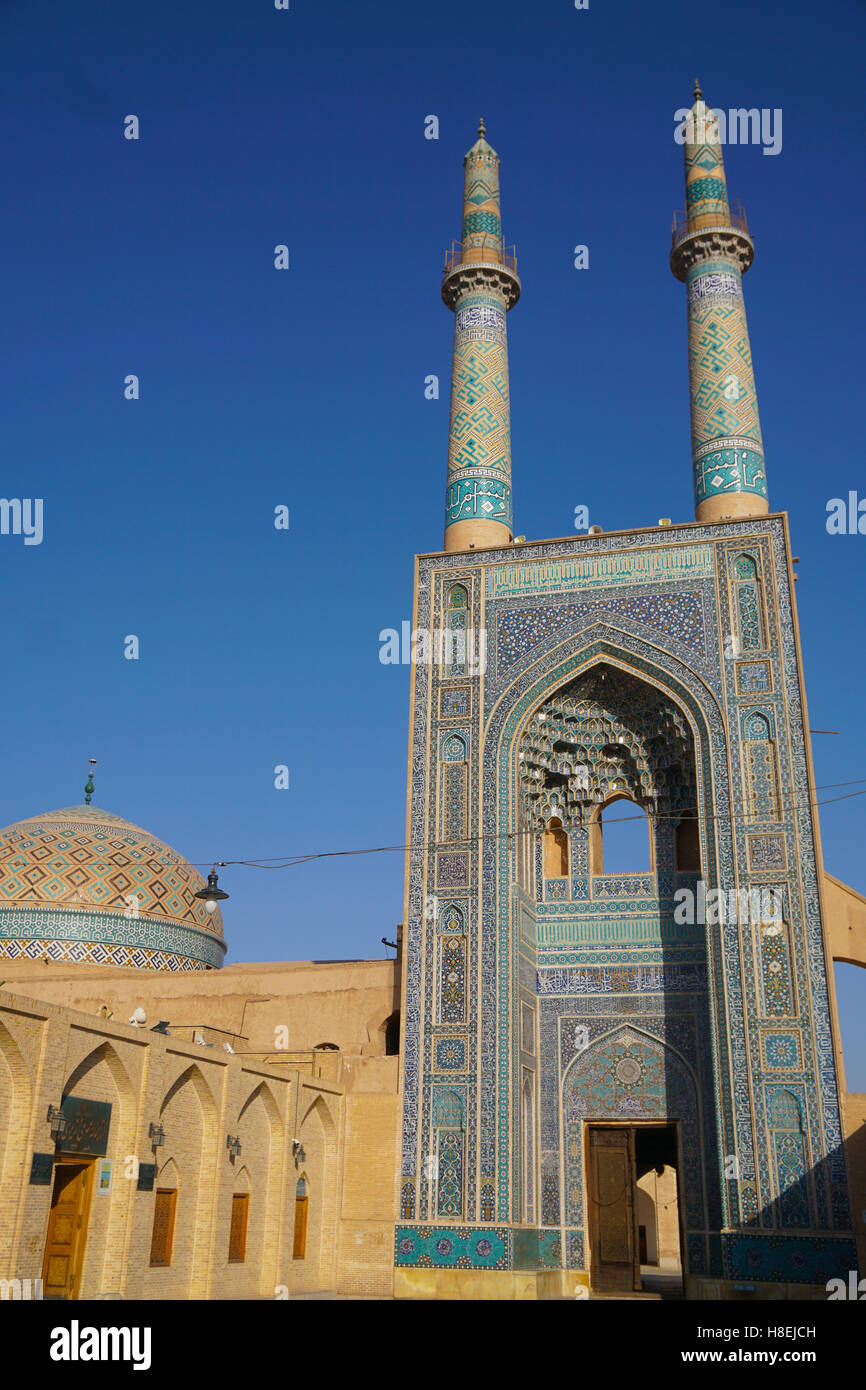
794, 1201
107, 1054
750, 623
263, 1093
597, 837
192, 1076
320, 1111
189, 1116
525, 690
302, 1209
169, 1174
318, 1134
102, 1075
16, 1101
629, 1073
261, 1178
555, 849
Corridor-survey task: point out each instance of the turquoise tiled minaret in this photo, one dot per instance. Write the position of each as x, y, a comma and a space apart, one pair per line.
711, 251
480, 284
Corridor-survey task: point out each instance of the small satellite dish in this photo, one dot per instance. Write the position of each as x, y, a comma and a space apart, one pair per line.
138, 1018
227, 1047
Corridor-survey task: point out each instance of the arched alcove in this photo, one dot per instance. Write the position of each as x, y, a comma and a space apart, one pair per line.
102, 1076
318, 1135
259, 1177
15, 1106
555, 849
188, 1116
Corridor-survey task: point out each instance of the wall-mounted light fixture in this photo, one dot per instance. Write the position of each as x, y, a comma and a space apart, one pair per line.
57, 1122
156, 1135
233, 1144
298, 1153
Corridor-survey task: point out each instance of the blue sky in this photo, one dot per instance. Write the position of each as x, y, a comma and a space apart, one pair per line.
305, 388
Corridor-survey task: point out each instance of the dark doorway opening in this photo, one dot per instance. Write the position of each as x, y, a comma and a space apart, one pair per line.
634, 1209
657, 1209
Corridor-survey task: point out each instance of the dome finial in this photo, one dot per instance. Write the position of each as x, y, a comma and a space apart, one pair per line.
88, 786
482, 129
698, 93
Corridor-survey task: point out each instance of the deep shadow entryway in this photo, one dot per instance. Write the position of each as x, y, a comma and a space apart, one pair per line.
634, 1208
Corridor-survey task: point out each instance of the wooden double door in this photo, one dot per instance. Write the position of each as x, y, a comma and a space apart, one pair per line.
67, 1227
612, 1194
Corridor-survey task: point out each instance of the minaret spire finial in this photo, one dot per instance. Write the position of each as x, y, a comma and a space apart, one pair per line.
89, 787
480, 285
711, 251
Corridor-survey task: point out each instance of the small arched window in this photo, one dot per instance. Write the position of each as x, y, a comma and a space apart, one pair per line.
620, 839
747, 604
555, 850
302, 1203
454, 749
688, 844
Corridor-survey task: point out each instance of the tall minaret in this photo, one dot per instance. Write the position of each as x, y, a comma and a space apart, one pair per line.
711, 250
480, 284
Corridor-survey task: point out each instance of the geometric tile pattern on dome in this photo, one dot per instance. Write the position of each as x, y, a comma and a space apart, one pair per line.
90, 858
108, 932
83, 875
94, 953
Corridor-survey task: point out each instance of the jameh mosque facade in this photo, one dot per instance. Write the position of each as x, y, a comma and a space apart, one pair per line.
570, 1078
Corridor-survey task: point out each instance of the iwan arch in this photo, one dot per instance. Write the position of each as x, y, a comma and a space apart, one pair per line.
570, 1036
559, 1085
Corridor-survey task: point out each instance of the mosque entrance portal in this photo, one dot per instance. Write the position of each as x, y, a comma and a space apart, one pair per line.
634, 1220
67, 1228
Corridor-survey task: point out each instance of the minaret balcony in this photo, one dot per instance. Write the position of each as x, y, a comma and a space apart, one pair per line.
681, 228
495, 254
480, 269
727, 236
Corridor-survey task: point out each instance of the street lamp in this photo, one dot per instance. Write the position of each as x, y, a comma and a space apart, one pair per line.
213, 895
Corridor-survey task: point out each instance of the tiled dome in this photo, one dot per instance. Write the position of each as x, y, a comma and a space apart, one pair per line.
82, 884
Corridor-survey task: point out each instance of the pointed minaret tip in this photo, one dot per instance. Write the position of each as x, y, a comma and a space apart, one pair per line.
698, 93
482, 129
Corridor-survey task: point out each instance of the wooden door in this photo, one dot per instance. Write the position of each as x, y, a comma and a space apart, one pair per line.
67, 1230
238, 1228
302, 1203
611, 1173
